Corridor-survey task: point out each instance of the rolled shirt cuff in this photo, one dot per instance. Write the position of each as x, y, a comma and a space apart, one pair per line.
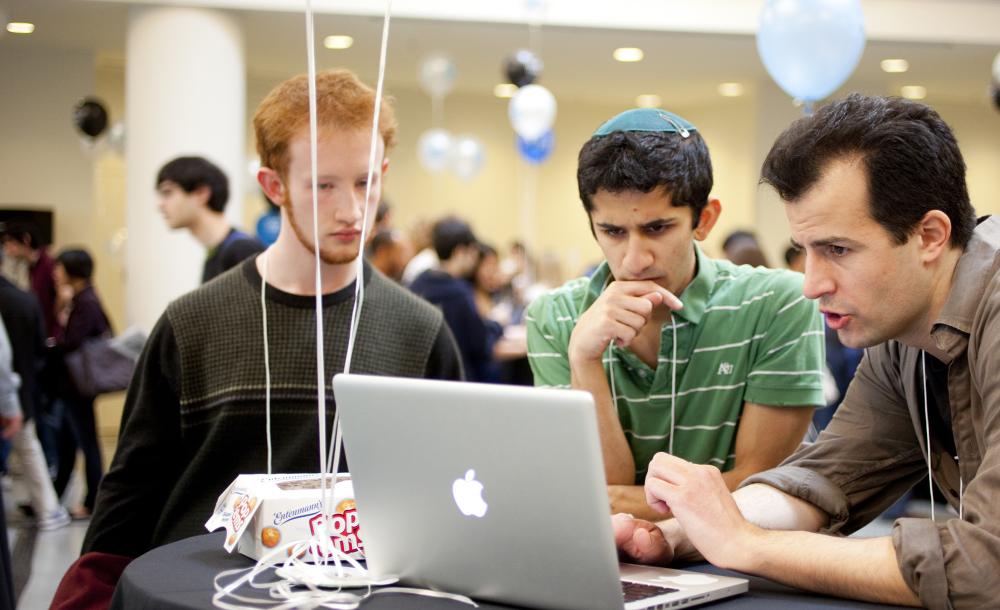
810, 486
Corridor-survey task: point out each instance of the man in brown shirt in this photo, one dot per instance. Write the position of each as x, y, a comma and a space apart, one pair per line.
875, 193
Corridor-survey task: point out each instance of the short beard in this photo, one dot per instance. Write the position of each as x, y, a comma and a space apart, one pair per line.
330, 258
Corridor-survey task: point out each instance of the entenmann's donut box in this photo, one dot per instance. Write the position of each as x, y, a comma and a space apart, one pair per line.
261, 512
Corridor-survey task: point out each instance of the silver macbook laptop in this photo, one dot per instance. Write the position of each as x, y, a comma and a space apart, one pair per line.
496, 492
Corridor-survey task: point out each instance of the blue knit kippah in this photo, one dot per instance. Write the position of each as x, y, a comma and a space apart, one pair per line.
646, 119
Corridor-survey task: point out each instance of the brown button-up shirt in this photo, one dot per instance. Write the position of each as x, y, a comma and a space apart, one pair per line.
874, 449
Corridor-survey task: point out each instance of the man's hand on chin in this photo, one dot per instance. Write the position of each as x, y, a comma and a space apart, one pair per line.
640, 541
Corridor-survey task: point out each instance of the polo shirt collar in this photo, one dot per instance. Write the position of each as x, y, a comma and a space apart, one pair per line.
695, 297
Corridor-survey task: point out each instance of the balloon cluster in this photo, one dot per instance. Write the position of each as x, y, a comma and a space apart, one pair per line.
437, 149
810, 47
532, 109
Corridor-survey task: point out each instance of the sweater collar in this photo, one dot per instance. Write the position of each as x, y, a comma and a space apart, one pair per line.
346, 293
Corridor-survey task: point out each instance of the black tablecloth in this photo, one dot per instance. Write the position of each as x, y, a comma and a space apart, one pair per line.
179, 576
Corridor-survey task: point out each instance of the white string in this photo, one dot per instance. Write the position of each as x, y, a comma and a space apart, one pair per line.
267, 359
961, 492
673, 384
673, 381
333, 459
927, 428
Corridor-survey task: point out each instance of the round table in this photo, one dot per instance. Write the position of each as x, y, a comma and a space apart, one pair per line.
178, 576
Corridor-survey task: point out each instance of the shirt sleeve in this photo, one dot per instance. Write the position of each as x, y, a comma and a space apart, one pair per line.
787, 367
865, 459
10, 381
549, 326
145, 467
444, 361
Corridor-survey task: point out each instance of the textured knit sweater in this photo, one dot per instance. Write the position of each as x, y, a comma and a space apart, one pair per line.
194, 416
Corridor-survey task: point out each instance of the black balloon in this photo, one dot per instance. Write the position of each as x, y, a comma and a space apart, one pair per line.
522, 68
995, 91
90, 117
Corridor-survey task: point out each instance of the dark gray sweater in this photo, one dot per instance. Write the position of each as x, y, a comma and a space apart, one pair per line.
194, 416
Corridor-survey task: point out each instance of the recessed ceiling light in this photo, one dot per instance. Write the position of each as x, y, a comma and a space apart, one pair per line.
17, 27
505, 90
628, 54
913, 92
895, 65
730, 89
338, 42
648, 100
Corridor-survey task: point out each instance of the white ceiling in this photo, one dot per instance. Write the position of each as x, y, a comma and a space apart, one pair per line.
683, 67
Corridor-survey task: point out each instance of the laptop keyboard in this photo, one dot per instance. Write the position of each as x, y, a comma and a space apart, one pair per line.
635, 591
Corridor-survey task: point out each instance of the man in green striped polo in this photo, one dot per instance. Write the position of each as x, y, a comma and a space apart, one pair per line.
715, 363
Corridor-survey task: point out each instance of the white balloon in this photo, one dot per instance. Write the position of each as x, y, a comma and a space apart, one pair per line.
437, 75
468, 157
116, 138
996, 69
434, 149
532, 111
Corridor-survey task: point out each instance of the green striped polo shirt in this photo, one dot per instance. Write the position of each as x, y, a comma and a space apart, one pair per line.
745, 334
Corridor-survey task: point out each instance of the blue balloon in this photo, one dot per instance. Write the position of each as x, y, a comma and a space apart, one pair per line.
268, 226
537, 151
810, 47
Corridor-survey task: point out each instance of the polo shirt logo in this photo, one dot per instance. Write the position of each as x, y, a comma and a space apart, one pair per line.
725, 368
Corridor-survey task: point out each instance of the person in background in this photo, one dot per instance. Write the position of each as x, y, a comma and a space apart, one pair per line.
82, 317
383, 217
22, 241
446, 287
193, 193
425, 258
495, 306
23, 319
795, 258
389, 251
10, 425
743, 248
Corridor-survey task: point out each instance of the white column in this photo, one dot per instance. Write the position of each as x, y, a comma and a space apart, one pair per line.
185, 94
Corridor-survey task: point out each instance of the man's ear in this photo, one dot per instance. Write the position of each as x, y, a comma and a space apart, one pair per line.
934, 235
707, 219
203, 193
385, 166
272, 185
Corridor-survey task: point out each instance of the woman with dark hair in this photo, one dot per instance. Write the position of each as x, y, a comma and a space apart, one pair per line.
81, 317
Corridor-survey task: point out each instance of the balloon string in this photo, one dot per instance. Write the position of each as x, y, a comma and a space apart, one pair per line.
437, 110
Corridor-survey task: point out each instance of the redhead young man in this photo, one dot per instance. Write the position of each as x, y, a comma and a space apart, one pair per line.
194, 416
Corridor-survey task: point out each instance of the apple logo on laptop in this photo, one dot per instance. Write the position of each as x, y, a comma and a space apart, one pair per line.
468, 494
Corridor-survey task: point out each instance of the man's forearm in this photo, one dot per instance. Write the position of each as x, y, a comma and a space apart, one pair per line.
619, 465
761, 505
857, 568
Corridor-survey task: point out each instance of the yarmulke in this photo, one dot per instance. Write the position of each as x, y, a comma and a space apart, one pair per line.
646, 119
